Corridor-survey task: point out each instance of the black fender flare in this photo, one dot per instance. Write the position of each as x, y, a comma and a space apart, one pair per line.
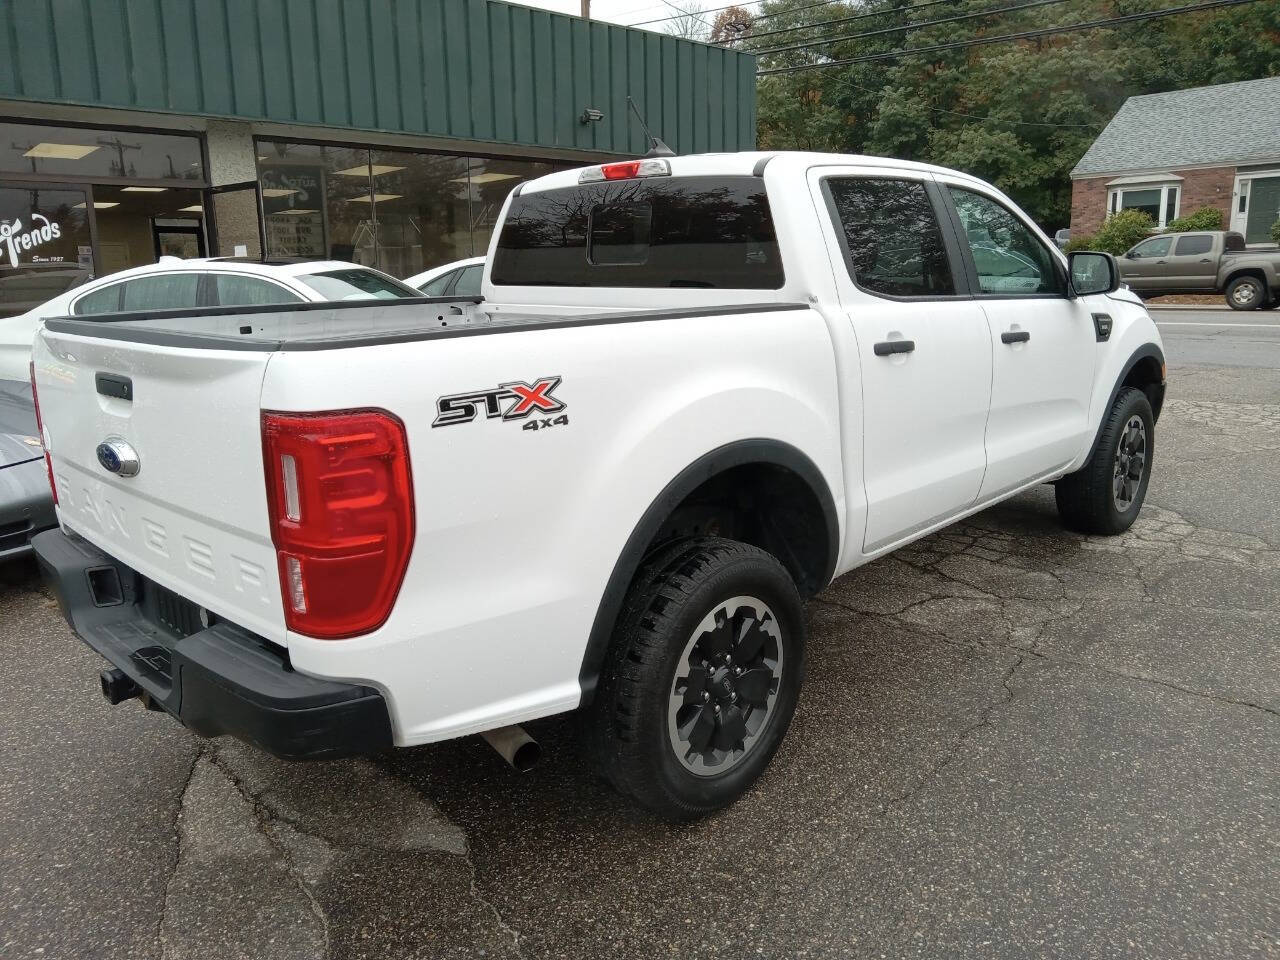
736, 454
1147, 350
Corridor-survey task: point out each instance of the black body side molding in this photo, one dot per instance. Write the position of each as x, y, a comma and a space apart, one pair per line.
738, 453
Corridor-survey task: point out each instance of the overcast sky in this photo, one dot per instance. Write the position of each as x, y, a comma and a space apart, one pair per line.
625, 11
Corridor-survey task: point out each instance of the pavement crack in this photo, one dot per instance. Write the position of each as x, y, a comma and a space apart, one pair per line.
265, 820
487, 904
176, 827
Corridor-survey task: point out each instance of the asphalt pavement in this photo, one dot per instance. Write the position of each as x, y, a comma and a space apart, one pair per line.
1013, 742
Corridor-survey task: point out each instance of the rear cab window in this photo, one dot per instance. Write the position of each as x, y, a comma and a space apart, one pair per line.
710, 232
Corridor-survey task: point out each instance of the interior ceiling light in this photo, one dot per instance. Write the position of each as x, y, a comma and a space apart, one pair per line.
194, 208
60, 151
363, 170
144, 189
99, 205
377, 198
296, 211
278, 192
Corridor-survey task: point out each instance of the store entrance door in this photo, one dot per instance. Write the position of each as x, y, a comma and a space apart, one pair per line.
235, 210
178, 238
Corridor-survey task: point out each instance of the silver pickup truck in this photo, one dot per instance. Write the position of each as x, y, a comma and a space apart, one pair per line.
1206, 262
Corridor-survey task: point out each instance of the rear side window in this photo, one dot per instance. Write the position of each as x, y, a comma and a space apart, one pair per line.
707, 232
892, 237
1191, 245
164, 291
106, 300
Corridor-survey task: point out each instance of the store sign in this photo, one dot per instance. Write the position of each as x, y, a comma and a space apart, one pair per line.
293, 201
16, 239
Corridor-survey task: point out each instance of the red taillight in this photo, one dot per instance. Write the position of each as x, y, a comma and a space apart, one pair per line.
340, 497
621, 171
48, 460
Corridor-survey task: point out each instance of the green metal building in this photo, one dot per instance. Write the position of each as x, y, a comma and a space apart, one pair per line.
387, 132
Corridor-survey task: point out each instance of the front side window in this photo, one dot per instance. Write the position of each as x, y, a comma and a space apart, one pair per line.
706, 232
1008, 257
1193, 244
892, 237
1155, 247
233, 290
356, 285
164, 291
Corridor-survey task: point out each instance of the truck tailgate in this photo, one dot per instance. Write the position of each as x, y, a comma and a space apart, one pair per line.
194, 517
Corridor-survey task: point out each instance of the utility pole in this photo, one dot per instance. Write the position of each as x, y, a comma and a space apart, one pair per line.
586, 9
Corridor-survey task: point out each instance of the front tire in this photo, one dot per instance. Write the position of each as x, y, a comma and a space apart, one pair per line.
1246, 293
702, 679
1106, 494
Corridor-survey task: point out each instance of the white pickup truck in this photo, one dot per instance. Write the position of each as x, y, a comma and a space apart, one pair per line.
694, 391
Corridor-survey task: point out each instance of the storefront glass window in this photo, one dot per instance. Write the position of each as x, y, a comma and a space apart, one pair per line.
399, 210
137, 226
491, 182
84, 153
422, 210
316, 200
45, 247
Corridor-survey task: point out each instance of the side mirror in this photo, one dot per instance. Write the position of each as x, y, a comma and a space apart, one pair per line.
1092, 273
1131, 255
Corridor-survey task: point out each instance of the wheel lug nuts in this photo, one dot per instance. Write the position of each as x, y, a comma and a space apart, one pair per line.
705, 696
717, 708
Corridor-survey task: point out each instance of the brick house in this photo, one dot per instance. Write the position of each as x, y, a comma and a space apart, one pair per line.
1172, 153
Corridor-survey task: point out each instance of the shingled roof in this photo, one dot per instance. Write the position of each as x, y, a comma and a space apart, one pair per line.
1231, 123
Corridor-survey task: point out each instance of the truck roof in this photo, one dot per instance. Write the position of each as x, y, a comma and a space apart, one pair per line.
749, 163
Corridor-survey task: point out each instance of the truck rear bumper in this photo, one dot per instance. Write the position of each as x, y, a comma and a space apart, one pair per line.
216, 678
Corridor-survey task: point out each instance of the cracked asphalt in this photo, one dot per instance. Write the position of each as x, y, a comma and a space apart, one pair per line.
1013, 742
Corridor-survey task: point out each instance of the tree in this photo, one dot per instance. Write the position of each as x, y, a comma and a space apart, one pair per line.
1018, 113
731, 24
688, 20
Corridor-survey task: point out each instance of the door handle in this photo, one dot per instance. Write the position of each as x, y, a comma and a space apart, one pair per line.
1015, 336
1206, 260
1161, 261
887, 347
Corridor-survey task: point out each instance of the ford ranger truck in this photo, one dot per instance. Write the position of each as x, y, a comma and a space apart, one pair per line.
696, 389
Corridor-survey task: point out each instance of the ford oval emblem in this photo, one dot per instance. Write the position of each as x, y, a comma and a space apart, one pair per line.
118, 457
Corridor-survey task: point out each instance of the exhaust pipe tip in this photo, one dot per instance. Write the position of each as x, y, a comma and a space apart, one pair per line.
117, 687
515, 746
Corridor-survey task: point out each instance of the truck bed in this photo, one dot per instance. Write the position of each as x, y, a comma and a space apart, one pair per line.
322, 326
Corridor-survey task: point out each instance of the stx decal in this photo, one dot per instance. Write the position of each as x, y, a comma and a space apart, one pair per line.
521, 399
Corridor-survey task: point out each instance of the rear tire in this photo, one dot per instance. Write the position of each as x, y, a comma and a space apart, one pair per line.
702, 679
1105, 495
1246, 293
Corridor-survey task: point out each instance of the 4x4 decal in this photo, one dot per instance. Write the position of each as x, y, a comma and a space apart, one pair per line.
521, 399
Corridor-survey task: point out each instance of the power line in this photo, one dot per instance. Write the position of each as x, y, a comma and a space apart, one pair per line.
762, 16
1025, 35
828, 23
910, 26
